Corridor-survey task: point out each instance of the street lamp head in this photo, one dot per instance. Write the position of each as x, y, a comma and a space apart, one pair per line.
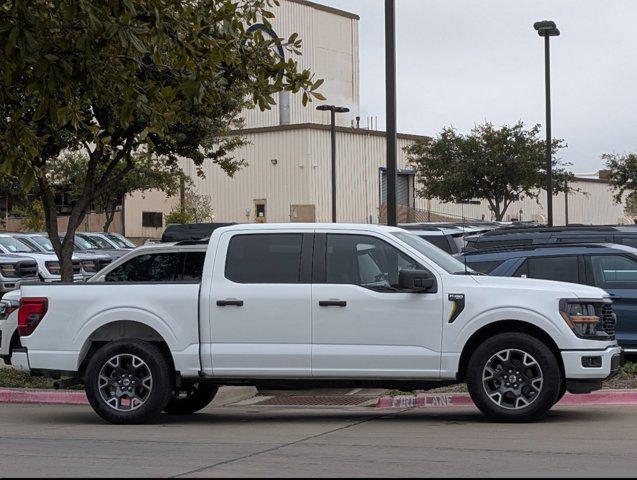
332, 108
546, 28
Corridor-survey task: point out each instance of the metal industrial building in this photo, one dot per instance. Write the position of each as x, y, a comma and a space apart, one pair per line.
288, 155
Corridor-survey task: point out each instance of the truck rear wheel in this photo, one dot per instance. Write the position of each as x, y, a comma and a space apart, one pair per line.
128, 382
191, 398
514, 377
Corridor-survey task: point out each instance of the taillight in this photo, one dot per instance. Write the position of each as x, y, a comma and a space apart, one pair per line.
31, 313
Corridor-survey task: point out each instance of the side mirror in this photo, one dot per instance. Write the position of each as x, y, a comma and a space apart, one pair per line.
417, 281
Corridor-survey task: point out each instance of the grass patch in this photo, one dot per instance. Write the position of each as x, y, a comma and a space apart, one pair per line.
10, 378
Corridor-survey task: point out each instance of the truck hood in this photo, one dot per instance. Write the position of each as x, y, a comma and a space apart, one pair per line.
563, 288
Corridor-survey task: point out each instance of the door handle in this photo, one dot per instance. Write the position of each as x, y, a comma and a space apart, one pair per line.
333, 303
229, 303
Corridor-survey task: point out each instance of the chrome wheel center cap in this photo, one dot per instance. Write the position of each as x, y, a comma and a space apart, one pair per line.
512, 378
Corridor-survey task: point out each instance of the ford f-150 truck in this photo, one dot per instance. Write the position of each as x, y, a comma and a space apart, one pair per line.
296, 306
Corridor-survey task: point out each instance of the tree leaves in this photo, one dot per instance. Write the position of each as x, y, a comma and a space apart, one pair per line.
112, 79
623, 174
499, 165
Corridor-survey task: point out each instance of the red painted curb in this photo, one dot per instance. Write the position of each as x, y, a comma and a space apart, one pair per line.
422, 400
446, 400
60, 397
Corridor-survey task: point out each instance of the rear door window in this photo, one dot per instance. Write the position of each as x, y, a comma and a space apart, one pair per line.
560, 269
265, 259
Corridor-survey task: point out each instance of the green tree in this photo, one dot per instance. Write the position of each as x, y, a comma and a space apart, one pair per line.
196, 209
69, 175
622, 175
499, 165
32, 216
112, 79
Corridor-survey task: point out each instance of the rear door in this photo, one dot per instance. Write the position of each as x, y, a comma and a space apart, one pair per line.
260, 314
617, 274
362, 325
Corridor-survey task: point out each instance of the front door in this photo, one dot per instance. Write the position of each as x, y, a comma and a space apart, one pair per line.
362, 325
617, 274
260, 315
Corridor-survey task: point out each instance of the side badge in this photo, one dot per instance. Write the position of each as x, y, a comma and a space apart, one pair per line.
458, 305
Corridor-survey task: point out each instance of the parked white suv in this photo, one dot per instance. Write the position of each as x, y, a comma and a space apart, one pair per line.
315, 305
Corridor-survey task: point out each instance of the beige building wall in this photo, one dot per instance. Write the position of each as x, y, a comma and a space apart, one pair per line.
287, 166
330, 51
592, 205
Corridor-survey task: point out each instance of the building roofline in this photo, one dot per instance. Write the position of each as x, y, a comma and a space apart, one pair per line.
320, 126
325, 8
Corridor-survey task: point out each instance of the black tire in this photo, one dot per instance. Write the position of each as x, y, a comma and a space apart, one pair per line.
151, 396
524, 402
191, 398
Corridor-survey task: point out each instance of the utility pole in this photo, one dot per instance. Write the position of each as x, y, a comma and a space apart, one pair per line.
390, 82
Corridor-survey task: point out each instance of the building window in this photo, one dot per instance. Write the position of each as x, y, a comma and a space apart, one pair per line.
152, 219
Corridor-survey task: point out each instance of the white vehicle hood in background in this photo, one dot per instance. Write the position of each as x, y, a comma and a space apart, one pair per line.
568, 289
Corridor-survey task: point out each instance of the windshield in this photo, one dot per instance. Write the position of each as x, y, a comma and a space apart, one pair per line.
85, 244
43, 242
97, 242
12, 245
433, 253
121, 242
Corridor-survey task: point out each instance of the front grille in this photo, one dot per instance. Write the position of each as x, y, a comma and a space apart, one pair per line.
77, 267
26, 269
609, 320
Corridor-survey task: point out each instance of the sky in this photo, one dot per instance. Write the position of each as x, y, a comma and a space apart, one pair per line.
464, 62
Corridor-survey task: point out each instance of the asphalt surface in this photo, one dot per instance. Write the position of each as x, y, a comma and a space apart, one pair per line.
37, 440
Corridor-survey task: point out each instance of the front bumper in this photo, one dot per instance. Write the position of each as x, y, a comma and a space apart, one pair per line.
606, 363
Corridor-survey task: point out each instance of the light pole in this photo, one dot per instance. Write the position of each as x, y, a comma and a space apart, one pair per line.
333, 110
548, 29
390, 86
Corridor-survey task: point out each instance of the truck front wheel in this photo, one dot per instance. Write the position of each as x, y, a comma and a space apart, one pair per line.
128, 382
191, 398
514, 377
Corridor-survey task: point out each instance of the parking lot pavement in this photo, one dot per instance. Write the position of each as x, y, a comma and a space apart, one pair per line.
37, 440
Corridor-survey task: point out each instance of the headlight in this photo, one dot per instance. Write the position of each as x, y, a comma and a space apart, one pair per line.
7, 270
7, 307
89, 266
53, 267
584, 318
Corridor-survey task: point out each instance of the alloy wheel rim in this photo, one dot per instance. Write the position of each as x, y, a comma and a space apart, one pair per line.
125, 382
512, 379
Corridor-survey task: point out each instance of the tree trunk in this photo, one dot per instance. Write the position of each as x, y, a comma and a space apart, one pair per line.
66, 258
110, 216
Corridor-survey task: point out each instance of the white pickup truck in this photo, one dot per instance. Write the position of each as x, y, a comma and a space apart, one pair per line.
296, 306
